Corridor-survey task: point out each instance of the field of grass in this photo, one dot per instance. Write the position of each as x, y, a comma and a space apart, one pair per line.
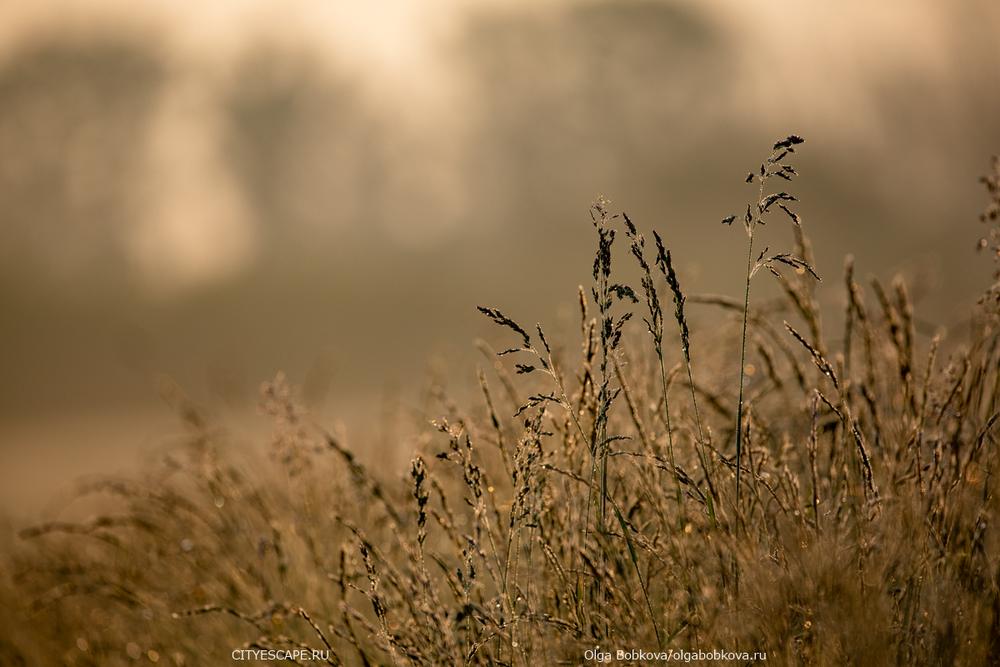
830, 500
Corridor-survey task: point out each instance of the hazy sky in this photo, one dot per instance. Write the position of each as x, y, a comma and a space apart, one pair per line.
819, 61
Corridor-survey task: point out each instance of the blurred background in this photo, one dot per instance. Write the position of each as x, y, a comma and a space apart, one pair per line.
206, 193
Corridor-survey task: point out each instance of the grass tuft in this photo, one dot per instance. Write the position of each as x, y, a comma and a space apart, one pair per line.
579, 502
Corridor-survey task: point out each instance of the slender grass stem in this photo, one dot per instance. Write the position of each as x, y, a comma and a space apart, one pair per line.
743, 361
670, 433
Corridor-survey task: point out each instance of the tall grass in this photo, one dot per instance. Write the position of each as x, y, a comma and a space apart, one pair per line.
836, 505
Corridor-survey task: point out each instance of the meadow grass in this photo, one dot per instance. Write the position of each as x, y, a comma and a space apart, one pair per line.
835, 505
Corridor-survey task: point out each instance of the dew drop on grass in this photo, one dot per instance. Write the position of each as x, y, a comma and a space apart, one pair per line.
133, 650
